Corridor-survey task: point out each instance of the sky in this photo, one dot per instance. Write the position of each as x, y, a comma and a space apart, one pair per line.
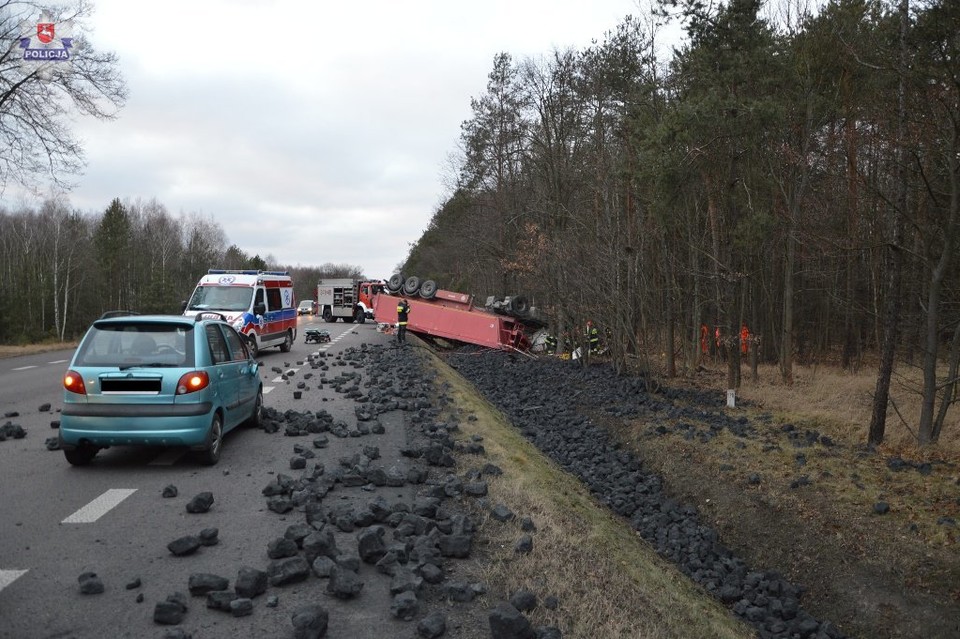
312, 132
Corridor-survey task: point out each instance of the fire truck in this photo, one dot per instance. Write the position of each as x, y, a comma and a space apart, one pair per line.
347, 299
504, 324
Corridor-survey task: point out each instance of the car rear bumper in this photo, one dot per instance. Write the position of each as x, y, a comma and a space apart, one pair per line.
125, 424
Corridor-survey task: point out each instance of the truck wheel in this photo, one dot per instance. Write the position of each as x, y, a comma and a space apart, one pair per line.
519, 305
287, 342
328, 315
411, 285
252, 343
395, 283
428, 289
359, 316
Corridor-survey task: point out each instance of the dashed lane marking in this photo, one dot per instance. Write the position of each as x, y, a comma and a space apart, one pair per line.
267, 389
59, 361
7, 577
22, 368
168, 457
99, 506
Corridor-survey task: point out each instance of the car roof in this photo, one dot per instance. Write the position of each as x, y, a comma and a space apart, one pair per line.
184, 320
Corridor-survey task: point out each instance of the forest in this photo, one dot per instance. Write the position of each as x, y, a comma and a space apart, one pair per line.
61, 269
795, 170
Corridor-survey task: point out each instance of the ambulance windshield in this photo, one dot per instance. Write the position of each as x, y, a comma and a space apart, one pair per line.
221, 298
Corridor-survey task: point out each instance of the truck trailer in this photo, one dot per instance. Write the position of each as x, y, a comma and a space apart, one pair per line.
435, 312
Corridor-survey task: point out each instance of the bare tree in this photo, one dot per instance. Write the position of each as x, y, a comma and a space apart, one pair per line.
38, 98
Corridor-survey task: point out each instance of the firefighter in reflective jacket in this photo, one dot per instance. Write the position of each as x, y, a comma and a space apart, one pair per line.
551, 343
593, 337
403, 311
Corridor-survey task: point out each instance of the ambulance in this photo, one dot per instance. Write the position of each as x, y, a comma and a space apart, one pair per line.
259, 304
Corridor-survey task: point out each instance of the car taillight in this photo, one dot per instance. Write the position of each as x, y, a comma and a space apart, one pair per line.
73, 382
192, 382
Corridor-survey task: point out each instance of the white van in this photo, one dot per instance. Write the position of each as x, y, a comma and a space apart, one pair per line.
259, 304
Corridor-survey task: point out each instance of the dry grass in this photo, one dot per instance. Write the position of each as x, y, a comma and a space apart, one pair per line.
845, 401
33, 349
609, 582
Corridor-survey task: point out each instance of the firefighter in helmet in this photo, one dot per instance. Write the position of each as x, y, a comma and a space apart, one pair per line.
403, 313
550, 341
593, 337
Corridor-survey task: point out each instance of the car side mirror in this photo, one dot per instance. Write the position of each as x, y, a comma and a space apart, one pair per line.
183, 306
259, 309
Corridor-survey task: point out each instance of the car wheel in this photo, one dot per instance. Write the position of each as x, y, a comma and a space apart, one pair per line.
211, 454
252, 342
287, 342
256, 417
81, 455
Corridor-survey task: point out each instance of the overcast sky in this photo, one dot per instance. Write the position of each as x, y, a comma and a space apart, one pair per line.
310, 131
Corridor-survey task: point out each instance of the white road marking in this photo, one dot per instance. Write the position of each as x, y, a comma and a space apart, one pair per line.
59, 361
168, 457
99, 506
23, 368
267, 389
7, 577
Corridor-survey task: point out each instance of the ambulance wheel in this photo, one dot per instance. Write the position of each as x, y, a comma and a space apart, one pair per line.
395, 283
411, 285
287, 342
428, 289
252, 343
359, 316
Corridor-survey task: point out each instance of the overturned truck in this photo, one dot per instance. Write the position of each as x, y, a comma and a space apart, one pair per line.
505, 324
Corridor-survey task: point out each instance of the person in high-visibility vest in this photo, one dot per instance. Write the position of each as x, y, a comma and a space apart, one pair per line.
551, 343
744, 339
593, 337
403, 313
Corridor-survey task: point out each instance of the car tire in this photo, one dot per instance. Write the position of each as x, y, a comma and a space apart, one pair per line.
81, 455
252, 343
287, 343
256, 417
210, 455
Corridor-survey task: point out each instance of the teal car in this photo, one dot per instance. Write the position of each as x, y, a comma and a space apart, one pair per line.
158, 380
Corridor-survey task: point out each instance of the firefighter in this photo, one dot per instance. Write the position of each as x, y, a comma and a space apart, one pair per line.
744, 339
551, 343
403, 313
593, 337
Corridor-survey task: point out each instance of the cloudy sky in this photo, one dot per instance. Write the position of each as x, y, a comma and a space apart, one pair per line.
310, 131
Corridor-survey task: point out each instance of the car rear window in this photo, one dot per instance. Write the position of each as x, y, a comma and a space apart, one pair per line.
126, 344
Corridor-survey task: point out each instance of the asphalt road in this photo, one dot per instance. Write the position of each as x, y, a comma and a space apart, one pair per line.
58, 521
